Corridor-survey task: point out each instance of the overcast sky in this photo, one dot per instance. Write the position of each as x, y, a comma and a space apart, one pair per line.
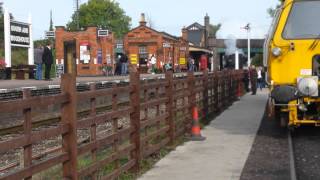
166, 15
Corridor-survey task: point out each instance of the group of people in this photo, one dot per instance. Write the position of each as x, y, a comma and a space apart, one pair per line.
43, 56
254, 75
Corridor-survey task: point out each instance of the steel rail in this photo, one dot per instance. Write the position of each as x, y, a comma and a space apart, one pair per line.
293, 173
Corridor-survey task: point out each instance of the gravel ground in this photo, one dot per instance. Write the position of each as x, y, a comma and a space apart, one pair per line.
268, 159
306, 146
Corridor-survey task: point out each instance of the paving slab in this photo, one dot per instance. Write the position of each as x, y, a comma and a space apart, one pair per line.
223, 154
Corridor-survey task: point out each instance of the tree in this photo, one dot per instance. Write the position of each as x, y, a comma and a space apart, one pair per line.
257, 60
102, 13
271, 11
213, 29
150, 21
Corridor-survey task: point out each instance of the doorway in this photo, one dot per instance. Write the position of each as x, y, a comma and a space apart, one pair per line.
70, 57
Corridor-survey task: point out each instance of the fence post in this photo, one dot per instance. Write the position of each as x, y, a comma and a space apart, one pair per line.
135, 116
192, 96
169, 94
69, 116
205, 94
27, 127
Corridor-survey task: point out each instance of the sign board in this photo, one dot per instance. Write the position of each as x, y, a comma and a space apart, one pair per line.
119, 46
99, 56
182, 61
183, 48
108, 57
103, 33
166, 45
50, 34
59, 70
84, 52
134, 59
19, 34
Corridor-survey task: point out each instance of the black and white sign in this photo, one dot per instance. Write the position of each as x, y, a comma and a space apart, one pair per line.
50, 34
59, 70
19, 34
102, 33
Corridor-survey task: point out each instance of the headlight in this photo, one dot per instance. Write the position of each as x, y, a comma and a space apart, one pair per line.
308, 86
276, 51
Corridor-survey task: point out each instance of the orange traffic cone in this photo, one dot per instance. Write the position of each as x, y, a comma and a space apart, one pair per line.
195, 131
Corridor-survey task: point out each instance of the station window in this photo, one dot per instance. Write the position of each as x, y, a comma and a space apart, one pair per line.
143, 55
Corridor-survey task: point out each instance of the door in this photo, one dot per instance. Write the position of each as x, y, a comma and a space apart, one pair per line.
70, 57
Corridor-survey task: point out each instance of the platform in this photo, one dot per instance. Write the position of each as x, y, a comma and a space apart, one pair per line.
223, 154
13, 84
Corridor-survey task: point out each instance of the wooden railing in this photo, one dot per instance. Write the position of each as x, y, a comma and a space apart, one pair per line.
158, 113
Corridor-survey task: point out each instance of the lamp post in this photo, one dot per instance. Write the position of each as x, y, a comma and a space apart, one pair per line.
248, 29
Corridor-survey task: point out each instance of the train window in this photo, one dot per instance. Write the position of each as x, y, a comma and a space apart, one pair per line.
303, 21
316, 65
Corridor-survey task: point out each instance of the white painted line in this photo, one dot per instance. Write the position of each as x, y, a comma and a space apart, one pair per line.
31, 87
53, 86
3, 90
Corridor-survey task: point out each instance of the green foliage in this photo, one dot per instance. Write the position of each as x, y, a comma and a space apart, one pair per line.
214, 29
102, 13
257, 60
271, 11
41, 42
19, 56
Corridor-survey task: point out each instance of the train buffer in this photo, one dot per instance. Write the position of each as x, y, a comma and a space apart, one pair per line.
224, 153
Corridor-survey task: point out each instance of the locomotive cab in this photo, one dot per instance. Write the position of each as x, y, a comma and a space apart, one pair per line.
292, 55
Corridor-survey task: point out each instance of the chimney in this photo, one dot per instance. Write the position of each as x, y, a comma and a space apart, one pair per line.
207, 29
184, 33
143, 20
207, 21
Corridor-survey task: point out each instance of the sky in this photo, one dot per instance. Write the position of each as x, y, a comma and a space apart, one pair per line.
166, 15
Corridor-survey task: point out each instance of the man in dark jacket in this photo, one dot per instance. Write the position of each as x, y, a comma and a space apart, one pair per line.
246, 80
47, 59
253, 79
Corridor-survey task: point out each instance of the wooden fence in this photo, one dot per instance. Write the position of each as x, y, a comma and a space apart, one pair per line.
158, 113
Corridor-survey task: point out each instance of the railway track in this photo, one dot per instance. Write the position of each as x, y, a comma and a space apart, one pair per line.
292, 162
45, 122
304, 153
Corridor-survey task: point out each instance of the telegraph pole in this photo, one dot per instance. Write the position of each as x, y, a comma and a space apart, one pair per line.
248, 29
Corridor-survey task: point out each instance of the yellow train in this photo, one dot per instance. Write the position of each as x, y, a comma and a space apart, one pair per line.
292, 55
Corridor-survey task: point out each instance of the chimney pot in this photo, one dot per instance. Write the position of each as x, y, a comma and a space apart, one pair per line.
143, 20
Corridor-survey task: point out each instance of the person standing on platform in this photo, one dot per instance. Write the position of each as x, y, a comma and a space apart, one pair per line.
260, 79
38, 52
124, 64
47, 59
253, 79
191, 64
246, 80
153, 62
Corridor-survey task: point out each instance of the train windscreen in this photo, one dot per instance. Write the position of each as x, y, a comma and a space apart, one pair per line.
303, 21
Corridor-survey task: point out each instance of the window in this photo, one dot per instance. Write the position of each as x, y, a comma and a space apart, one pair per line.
303, 21
143, 55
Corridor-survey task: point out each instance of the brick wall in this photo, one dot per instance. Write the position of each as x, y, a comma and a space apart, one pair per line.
154, 40
106, 44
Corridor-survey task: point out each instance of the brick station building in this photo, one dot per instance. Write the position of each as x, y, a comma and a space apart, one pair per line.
92, 52
142, 42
